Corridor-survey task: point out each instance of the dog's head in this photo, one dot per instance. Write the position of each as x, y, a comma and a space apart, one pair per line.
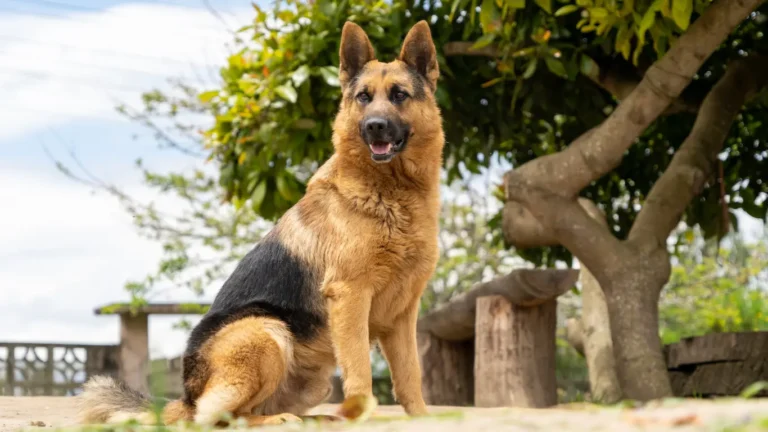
388, 108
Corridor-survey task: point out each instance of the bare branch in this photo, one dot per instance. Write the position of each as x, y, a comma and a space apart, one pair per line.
695, 161
465, 49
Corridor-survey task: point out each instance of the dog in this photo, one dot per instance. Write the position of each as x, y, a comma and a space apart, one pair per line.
344, 267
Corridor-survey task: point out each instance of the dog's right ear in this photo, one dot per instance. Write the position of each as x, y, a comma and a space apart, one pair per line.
356, 50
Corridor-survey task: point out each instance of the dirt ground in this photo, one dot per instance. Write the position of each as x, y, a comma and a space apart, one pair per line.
34, 413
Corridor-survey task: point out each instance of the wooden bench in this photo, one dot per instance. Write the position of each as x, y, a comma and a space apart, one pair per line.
495, 344
134, 336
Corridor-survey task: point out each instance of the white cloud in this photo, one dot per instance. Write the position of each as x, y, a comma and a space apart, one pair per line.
59, 69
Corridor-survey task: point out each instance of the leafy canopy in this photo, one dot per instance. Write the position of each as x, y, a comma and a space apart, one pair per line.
530, 96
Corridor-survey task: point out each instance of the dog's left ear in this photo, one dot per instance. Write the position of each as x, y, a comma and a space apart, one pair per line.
419, 53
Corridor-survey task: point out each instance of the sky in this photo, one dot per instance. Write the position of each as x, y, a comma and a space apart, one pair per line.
64, 66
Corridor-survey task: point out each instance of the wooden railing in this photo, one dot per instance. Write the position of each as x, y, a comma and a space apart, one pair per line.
37, 369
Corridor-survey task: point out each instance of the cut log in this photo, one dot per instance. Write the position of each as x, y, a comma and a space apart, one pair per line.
717, 347
447, 371
720, 379
455, 321
718, 364
515, 354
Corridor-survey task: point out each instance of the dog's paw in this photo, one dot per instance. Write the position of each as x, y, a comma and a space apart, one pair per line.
358, 407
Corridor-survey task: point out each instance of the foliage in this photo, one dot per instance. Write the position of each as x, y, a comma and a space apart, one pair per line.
722, 289
274, 109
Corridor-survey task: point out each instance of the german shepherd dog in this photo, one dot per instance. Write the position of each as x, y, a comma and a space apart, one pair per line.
344, 267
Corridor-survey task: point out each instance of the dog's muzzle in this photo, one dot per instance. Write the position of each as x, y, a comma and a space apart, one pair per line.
384, 138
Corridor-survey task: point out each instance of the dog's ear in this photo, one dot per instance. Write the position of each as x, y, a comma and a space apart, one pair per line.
356, 50
419, 53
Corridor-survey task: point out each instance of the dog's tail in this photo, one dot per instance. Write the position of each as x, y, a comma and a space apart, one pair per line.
105, 400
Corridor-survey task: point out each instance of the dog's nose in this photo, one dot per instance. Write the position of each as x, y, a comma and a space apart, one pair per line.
376, 125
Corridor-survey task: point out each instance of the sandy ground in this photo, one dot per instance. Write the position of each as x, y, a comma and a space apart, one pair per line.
34, 413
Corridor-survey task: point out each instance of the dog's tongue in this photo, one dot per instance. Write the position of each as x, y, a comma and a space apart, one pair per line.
381, 147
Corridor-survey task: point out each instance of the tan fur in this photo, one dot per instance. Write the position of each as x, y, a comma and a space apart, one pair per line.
369, 233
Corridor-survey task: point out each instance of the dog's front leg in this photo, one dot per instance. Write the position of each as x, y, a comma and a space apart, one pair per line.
349, 306
400, 350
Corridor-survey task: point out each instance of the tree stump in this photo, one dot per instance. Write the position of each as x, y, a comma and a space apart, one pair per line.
515, 354
447, 370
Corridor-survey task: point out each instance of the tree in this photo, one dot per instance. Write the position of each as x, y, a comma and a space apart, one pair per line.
620, 119
631, 272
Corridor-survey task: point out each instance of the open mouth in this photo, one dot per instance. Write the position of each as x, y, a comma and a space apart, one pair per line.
382, 151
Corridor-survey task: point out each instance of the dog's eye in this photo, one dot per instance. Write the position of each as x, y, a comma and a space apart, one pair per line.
400, 96
364, 97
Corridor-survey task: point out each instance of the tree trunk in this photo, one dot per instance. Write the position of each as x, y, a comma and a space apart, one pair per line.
598, 344
515, 354
448, 370
632, 296
597, 341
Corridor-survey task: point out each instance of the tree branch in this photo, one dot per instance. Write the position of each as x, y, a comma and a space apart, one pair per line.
465, 49
566, 220
586, 160
600, 150
694, 162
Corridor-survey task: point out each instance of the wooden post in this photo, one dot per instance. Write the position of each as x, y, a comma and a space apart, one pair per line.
134, 351
515, 354
447, 370
10, 370
48, 380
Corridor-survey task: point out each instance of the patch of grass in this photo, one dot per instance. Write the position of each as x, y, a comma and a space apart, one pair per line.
753, 389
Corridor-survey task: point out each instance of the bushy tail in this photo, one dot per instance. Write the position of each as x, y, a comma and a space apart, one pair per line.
105, 400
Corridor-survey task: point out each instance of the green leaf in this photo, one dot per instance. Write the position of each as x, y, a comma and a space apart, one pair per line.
545, 4
681, 12
598, 13
565, 10
454, 7
531, 69
753, 389
556, 67
287, 92
490, 17
206, 97
484, 41
257, 197
283, 188
331, 75
300, 75
516, 4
